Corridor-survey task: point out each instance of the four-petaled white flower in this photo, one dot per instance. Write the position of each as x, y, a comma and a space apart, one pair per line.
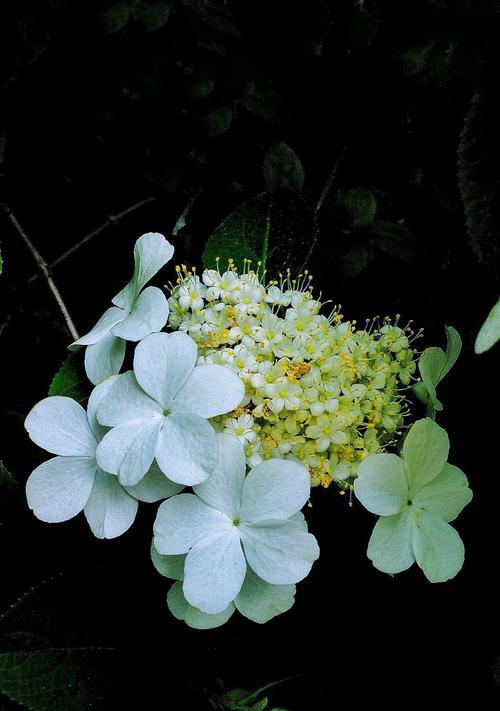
233, 523
160, 410
415, 496
62, 487
135, 313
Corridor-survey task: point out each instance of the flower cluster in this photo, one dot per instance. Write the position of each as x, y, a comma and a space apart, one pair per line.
251, 397
317, 389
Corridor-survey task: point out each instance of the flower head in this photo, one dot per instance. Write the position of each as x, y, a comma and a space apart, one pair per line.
136, 312
314, 386
232, 523
62, 487
160, 410
416, 496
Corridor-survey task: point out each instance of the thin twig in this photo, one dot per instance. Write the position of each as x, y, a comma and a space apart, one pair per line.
329, 182
44, 269
112, 220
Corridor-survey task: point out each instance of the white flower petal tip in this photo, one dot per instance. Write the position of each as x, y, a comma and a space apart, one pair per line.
60, 426
416, 496
235, 531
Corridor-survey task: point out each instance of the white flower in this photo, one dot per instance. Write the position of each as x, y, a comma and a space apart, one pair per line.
160, 409
243, 427
135, 313
62, 487
191, 292
416, 496
233, 523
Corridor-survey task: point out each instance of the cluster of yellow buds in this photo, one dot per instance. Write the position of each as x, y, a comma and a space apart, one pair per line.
318, 390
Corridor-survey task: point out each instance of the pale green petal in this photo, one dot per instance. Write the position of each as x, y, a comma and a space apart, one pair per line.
390, 546
381, 484
187, 449
124, 401
110, 318
446, 495
222, 489
148, 315
274, 489
154, 486
210, 390
110, 511
170, 566
151, 252
128, 450
261, 601
104, 359
425, 451
490, 330
60, 426
96, 397
438, 548
182, 610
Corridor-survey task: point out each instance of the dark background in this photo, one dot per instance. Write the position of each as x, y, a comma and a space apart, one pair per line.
169, 108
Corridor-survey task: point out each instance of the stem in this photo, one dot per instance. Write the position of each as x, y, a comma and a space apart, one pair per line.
112, 220
329, 182
44, 269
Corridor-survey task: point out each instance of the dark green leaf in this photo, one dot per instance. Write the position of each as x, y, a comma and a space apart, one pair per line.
69, 380
152, 15
216, 14
355, 261
360, 203
261, 99
115, 17
218, 121
277, 230
395, 239
282, 168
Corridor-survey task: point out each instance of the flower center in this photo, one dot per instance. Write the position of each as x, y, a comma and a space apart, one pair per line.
236, 521
166, 412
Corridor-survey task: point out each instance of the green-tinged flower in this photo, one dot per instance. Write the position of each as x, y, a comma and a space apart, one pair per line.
416, 496
317, 390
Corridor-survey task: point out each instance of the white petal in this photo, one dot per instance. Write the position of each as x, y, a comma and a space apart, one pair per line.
104, 359
96, 397
446, 495
261, 601
275, 489
110, 511
59, 489
184, 520
390, 546
149, 314
110, 318
151, 252
438, 548
154, 486
381, 484
209, 391
280, 552
60, 426
425, 451
126, 401
222, 489
170, 566
187, 449
214, 571
128, 450
182, 610
163, 363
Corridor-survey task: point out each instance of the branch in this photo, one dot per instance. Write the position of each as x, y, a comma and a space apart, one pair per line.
329, 182
112, 220
44, 269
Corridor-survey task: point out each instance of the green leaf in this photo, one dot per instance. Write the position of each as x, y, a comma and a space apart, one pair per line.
115, 17
216, 14
261, 99
360, 203
395, 239
433, 365
282, 168
489, 332
69, 381
152, 14
355, 261
277, 230
218, 121
415, 59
